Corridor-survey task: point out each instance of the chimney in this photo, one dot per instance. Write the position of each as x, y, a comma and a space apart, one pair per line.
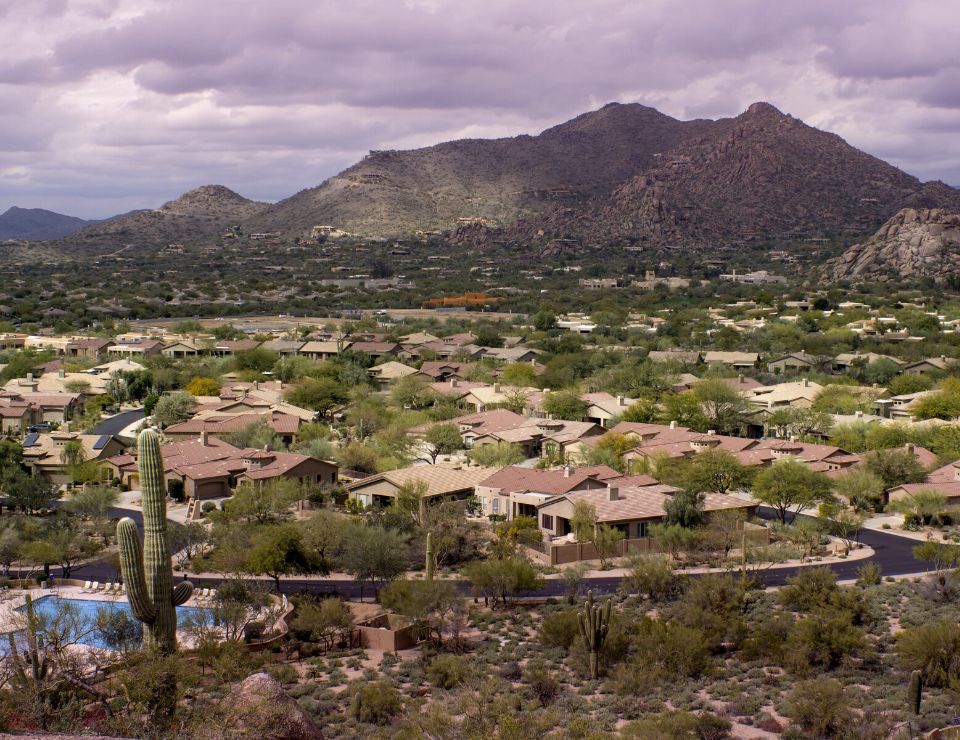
567, 471
673, 425
496, 387
61, 373
203, 438
911, 448
858, 413
711, 432
29, 377
806, 383
454, 383
620, 401
256, 385
613, 493
793, 437
546, 390
533, 360
740, 379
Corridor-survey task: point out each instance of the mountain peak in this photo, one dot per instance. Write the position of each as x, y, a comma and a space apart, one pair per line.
762, 109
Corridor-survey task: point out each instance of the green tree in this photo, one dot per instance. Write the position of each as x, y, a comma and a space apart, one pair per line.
277, 550
723, 406
497, 455
583, 521
173, 408
501, 579
715, 471
263, 501
894, 467
440, 439
318, 394
684, 508
203, 387
790, 484
861, 489
565, 405
375, 555
607, 541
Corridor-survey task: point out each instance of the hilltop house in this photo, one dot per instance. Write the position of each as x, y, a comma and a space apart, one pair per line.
43, 454
449, 483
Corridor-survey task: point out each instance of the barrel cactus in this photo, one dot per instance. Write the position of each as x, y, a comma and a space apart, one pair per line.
594, 623
147, 569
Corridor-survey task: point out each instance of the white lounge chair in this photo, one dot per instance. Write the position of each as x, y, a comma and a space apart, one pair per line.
206, 593
121, 589
86, 586
94, 587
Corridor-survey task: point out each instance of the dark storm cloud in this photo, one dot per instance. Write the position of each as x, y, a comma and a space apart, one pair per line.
146, 98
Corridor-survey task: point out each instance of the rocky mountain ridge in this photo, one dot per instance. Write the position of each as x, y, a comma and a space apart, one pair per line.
201, 213
915, 243
37, 223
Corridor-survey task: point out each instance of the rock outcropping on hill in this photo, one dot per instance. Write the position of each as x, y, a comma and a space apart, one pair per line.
915, 243
624, 173
198, 214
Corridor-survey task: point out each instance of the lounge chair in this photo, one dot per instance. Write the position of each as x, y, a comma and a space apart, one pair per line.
94, 587
86, 586
121, 589
206, 593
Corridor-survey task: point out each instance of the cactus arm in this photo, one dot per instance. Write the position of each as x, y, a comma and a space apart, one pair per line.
131, 566
182, 592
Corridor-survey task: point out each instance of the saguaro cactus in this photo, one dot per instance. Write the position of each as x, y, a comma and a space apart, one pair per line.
594, 623
915, 691
429, 564
147, 570
31, 665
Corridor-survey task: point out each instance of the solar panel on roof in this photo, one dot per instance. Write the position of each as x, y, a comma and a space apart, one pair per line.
102, 442
31, 440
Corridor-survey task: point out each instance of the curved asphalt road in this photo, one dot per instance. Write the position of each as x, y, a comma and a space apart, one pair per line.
893, 554
117, 423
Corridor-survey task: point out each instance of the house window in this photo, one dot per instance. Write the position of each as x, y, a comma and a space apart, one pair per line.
642, 529
546, 522
495, 505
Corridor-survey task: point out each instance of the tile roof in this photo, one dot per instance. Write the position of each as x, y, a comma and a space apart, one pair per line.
515, 479
439, 480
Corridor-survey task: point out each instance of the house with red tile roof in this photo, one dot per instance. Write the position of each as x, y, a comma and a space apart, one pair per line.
515, 491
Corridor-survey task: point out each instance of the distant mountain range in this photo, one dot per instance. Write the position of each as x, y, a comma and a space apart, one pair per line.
37, 223
625, 173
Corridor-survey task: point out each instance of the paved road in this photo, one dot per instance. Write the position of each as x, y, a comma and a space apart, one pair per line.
119, 422
893, 554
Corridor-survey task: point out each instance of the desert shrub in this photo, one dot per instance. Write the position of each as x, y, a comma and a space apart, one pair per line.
818, 706
713, 605
511, 671
448, 671
821, 641
810, 589
283, 673
376, 703
661, 651
934, 649
560, 629
651, 576
208, 506
869, 574
767, 638
672, 725
542, 682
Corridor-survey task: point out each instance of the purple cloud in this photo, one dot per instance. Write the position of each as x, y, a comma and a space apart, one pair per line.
107, 105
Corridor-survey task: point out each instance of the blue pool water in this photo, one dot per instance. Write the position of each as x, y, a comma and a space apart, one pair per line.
87, 610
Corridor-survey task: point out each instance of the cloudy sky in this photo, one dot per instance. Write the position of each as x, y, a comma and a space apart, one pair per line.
109, 105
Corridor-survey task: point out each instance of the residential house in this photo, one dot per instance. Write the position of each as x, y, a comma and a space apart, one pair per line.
476, 425
43, 453
736, 360
17, 415
388, 373
934, 365
515, 491
91, 348
182, 349
846, 360
376, 349
631, 508
795, 362
230, 347
134, 350
284, 426
323, 350
440, 371
440, 482
554, 439
511, 354
284, 347
799, 393
603, 408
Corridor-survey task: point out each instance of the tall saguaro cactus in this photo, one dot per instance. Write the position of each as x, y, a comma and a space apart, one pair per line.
915, 691
594, 623
147, 570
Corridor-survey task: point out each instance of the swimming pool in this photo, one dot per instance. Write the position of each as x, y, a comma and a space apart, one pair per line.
85, 611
